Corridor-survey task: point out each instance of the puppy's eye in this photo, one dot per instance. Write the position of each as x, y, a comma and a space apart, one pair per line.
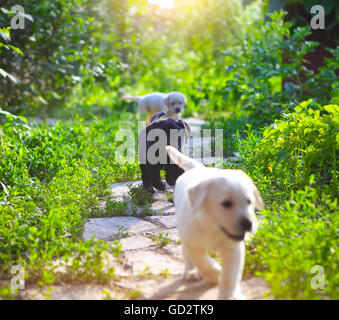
248, 201
227, 204
172, 103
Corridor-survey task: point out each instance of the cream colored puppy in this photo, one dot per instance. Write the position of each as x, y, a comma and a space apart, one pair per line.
215, 210
172, 103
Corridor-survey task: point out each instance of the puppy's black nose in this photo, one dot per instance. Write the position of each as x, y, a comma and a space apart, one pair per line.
177, 110
246, 224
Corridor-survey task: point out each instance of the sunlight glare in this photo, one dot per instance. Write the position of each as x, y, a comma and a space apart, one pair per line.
163, 4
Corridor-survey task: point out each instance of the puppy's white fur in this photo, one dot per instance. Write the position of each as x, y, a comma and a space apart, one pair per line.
211, 207
172, 103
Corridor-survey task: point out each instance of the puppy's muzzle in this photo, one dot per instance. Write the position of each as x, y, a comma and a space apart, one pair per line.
177, 110
236, 237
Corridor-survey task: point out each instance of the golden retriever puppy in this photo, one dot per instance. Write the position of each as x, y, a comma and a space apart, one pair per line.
214, 210
171, 103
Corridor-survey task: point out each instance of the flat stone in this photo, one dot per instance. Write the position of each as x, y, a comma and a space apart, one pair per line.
110, 228
160, 203
137, 242
151, 262
120, 189
163, 208
174, 235
172, 249
168, 222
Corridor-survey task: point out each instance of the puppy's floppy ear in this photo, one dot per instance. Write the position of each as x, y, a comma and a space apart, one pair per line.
186, 127
259, 203
198, 193
167, 99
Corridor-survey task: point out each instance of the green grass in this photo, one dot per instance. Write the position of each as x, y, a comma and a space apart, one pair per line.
161, 239
52, 177
139, 196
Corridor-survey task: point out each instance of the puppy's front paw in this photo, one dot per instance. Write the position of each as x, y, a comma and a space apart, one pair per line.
239, 296
192, 275
160, 186
227, 295
212, 276
150, 190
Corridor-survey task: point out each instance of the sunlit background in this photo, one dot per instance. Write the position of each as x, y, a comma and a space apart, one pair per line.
163, 4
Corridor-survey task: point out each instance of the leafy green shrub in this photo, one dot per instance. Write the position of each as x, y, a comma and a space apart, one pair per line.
301, 144
58, 52
331, 8
4, 39
295, 236
293, 162
269, 54
234, 128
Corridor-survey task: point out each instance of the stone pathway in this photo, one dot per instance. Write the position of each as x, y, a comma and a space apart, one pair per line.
151, 254
152, 259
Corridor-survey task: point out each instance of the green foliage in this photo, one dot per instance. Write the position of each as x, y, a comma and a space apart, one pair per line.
270, 53
161, 239
234, 128
300, 145
57, 53
113, 48
331, 8
139, 195
116, 208
296, 235
51, 178
293, 162
4, 39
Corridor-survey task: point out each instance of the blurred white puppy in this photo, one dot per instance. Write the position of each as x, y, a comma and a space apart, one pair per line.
172, 103
214, 209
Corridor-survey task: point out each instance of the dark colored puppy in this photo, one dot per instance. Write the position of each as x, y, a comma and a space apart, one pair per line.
152, 153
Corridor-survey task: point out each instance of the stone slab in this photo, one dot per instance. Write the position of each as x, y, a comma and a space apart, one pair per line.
137, 242
151, 262
167, 222
109, 228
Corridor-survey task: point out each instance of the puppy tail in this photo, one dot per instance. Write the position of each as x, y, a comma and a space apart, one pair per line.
136, 99
181, 160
